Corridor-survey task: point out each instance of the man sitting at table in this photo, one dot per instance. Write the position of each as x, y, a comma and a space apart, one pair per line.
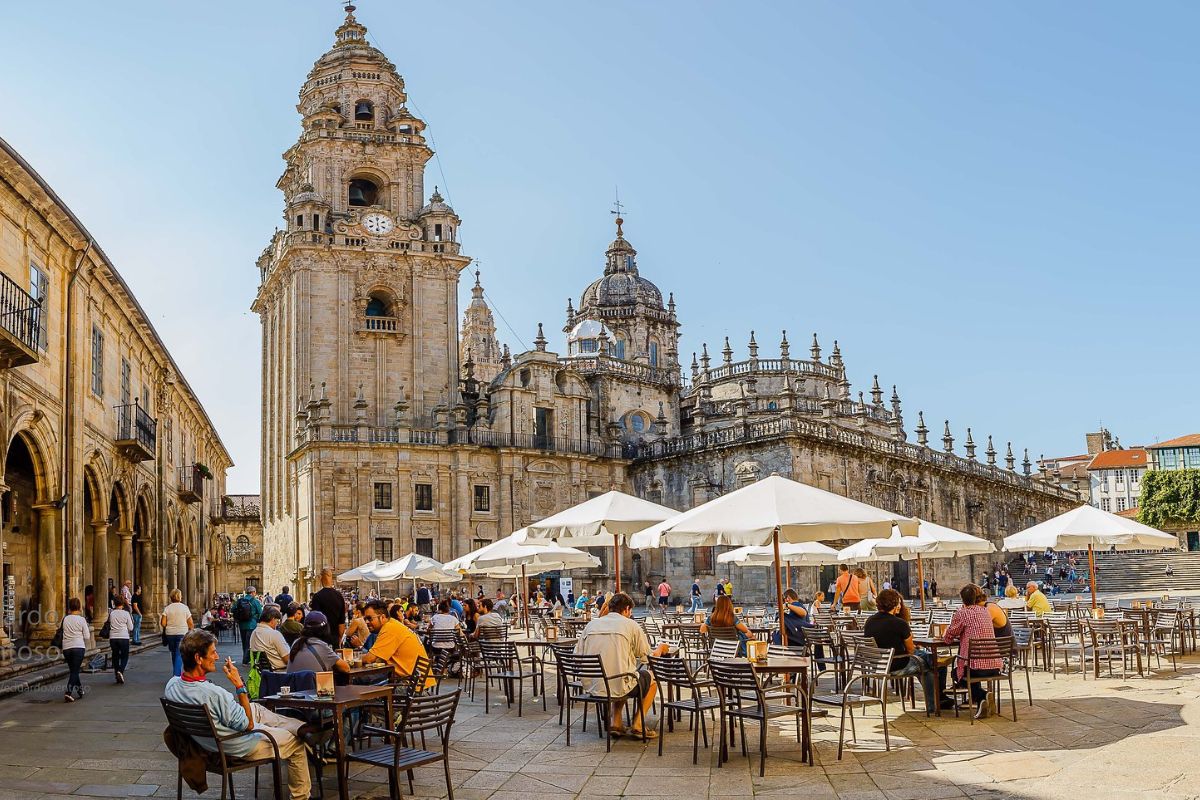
888, 628
234, 712
268, 641
490, 620
1035, 601
394, 644
623, 647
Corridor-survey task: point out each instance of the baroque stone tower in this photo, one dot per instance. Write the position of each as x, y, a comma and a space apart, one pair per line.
358, 293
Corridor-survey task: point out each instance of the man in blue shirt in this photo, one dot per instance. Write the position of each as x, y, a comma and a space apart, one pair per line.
283, 599
456, 606
234, 713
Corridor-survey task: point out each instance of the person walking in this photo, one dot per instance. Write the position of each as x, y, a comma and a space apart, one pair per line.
664, 593
246, 613
76, 634
697, 600
120, 628
176, 620
136, 604
649, 594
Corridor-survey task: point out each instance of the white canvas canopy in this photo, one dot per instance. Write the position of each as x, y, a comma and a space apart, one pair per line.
602, 521
411, 567
1089, 527
356, 574
772, 511
932, 541
800, 554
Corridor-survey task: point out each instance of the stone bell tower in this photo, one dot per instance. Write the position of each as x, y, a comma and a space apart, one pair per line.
358, 292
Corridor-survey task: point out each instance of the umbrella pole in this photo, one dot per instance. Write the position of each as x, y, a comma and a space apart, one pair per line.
617, 559
779, 588
524, 594
921, 580
1092, 573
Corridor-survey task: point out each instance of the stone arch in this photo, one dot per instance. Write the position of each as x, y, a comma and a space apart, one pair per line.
93, 495
41, 461
32, 533
120, 508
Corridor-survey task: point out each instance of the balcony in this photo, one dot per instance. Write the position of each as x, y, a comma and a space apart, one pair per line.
136, 432
191, 484
21, 321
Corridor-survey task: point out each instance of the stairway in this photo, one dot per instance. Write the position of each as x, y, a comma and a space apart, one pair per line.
1146, 572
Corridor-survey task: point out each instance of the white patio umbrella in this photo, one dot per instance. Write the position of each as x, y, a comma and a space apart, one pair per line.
356, 574
932, 541
803, 554
600, 522
1088, 526
772, 511
515, 555
412, 567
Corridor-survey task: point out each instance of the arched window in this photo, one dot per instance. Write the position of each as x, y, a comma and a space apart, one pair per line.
377, 307
363, 192
619, 348
654, 354
364, 111
243, 543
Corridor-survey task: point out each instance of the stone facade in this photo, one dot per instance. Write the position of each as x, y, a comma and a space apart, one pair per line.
110, 460
240, 551
386, 430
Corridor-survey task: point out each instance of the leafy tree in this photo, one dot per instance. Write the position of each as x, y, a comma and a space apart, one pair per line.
1169, 496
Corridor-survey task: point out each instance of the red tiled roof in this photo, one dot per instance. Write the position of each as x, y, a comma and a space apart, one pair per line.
1132, 457
1129, 513
1191, 440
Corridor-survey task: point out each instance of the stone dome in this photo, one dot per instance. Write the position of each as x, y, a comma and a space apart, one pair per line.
307, 195
437, 205
621, 289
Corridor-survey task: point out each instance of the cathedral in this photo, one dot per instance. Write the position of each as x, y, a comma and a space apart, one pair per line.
388, 428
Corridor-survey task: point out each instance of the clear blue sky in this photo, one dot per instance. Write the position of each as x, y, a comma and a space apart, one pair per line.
992, 205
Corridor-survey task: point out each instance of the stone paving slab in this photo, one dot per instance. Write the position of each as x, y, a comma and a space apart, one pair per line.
1104, 738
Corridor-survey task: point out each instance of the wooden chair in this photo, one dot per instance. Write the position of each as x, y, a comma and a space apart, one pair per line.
422, 713
870, 669
680, 692
742, 698
195, 722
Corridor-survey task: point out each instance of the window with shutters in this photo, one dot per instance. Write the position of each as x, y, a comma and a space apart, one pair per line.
126, 389
383, 550
39, 286
423, 497
383, 496
97, 362
483, 498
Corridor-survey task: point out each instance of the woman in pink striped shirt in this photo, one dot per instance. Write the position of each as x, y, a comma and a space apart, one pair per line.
973, 621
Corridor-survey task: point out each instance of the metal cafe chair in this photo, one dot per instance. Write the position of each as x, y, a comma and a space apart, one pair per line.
867, 685
584, 670
679, 692
501, 661
195, 722
742, 698
991, 649
424, 713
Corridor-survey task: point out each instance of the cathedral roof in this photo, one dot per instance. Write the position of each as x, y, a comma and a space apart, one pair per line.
350, 44
621, 284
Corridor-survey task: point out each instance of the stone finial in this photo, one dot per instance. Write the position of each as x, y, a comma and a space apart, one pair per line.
671, 303
876, 392
836, 358
991, 452
815, 349
1025, 464
922, 431
970, 445
540, 341
895, 401
1010, 461
570, 308
727, 352
704, 359
785, 349
947, 439
506, 357
324, 393
695, 369
753, 346
477, 289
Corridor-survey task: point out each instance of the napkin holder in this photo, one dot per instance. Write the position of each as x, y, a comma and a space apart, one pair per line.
937, 629
324, 684
558, 613
348, 654
551, 633
679, 608
738, 610
756, 650
698, 617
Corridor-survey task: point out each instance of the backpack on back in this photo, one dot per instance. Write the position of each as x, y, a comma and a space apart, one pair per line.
243, 610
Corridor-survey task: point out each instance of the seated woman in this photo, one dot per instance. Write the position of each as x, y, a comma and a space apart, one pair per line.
722, 616
890, 629
1012, 600
357, 632
311, 651
971, 622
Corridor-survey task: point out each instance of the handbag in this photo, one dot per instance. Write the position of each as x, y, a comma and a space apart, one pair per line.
57, 641
106, 629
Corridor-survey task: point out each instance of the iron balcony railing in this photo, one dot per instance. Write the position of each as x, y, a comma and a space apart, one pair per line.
22, 318
136, 429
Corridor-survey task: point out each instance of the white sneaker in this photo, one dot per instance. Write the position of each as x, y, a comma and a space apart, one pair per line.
983, 710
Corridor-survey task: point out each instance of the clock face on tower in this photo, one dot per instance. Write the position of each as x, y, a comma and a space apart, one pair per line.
377, 224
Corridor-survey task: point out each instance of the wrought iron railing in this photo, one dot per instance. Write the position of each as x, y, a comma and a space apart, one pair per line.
20, 314
135, 425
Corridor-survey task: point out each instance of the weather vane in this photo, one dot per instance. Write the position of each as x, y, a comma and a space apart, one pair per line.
618, 209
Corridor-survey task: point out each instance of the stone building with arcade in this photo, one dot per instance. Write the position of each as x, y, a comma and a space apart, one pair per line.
388, 428
111, 465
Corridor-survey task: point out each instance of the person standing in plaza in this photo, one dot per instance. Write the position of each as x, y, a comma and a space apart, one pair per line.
233, 713
329, 601
136, 604
664, 593
120, 628
846, 594
176, 620
649, 594
246, 612
127, 593
423, 598
76, 634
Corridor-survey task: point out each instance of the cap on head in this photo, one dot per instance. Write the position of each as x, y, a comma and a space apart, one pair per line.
315, 618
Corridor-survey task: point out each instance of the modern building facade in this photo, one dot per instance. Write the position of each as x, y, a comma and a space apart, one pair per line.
111, 465
387, 429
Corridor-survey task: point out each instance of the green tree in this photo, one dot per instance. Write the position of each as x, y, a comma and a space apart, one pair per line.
1170, 497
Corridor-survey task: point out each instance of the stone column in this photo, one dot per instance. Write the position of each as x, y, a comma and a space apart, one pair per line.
193, 579
125, 569
180, 574
49, 583
100, 572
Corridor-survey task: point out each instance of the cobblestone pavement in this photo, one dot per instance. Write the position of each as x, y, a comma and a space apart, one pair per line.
1082, 738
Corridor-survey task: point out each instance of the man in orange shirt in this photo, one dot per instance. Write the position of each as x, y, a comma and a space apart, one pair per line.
846, 589
395, 644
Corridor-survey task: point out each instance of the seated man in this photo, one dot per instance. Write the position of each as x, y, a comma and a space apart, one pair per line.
294, 624
235, 712
623, 647
889, 629
489, 619
395, 644
267, 639
1035, 601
